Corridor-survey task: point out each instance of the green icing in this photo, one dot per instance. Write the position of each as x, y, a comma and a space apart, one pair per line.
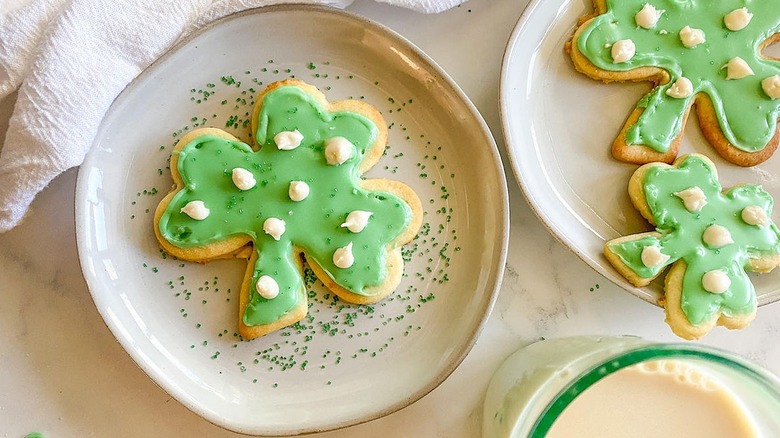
747, 116
313, 225
631, 252
681, 236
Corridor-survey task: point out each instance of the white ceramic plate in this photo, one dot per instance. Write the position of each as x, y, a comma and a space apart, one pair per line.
559, 126
343, 364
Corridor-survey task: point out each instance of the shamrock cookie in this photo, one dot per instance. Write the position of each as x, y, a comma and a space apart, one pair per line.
299, 192
696, 52
709, 236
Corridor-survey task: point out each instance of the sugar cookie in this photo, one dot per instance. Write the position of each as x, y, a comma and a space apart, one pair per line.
709, 236
696, 53
289, 197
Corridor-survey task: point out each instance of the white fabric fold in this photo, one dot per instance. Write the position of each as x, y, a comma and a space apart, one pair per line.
69, 59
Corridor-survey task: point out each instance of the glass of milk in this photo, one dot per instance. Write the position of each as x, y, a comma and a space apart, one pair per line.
629, 387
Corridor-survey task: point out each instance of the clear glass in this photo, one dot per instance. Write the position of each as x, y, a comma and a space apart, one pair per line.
534, 385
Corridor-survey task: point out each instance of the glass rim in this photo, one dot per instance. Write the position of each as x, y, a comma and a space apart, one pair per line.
642, 354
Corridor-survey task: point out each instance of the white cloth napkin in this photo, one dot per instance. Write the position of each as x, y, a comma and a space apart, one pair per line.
69, 59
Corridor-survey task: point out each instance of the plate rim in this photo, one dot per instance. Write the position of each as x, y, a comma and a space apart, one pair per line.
495, 272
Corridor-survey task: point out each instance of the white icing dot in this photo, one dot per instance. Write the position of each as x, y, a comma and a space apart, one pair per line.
771, 86
338, 150
357, 220
755, 215
623, 51
716, 236
267, 287
343, 257
652, 257
693, 198
196, 210
648, 16
715, 281
681, 88
691, 37
243, 179
298, 191
274, 227
737, 68
737, 19
288, 140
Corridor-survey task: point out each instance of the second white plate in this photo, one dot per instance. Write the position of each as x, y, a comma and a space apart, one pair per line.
559, 126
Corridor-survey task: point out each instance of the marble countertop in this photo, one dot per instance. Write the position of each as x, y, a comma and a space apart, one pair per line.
64, 374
